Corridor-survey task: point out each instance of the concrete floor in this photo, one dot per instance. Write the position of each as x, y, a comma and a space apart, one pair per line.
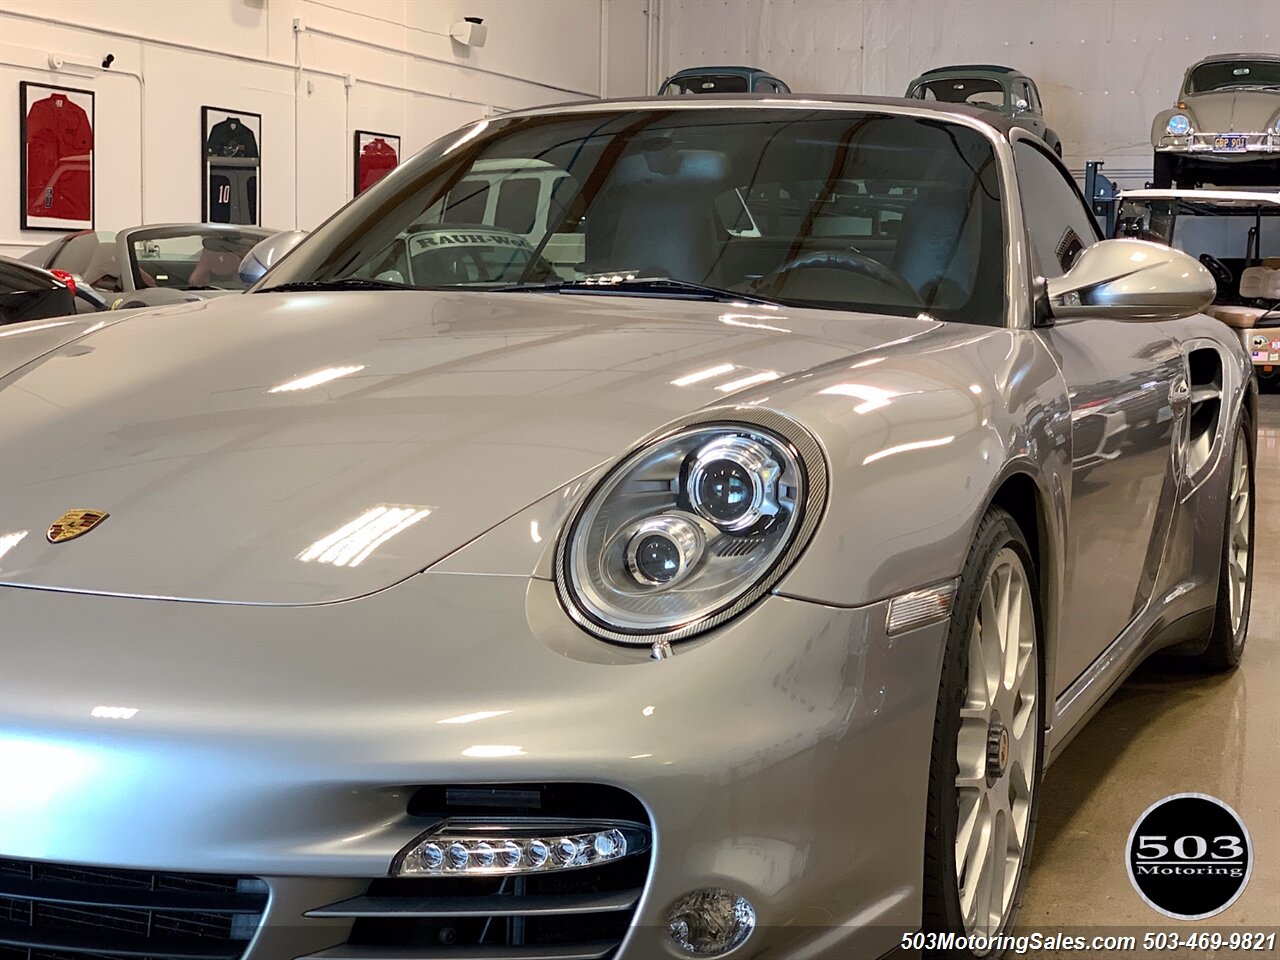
1171, 731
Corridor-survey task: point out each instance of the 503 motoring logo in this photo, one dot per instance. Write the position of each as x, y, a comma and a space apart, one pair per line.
1189, 856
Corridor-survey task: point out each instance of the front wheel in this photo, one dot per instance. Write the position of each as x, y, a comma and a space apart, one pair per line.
1235, 575
988, 741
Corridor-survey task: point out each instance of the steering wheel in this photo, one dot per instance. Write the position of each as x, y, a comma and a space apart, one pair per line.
849, 260
1222, 276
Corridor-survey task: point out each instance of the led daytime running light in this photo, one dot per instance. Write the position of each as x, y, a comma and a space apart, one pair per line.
488, 848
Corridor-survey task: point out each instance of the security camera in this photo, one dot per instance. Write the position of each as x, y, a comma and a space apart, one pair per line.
470, 32
108, 60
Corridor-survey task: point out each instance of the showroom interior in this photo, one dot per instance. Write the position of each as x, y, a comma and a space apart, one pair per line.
340, 507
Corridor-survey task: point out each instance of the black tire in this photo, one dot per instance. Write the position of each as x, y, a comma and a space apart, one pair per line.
942, 910
1164, 169
1226, 643
1057, 148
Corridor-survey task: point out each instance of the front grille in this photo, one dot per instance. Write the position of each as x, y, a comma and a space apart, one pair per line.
578, 914
54, 911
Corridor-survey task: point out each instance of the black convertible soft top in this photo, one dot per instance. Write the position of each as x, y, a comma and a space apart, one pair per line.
984, 67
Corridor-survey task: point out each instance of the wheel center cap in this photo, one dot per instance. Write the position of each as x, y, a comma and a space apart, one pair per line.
997, 749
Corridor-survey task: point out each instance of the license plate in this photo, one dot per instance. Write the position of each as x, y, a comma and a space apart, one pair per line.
1230, 143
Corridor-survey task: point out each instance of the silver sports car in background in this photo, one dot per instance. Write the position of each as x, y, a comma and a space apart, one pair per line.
1225, 128
153, 265
720, 589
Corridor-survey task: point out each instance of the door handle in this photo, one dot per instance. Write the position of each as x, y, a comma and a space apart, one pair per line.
1180, 397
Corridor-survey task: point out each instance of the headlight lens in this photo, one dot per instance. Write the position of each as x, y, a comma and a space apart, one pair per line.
1179, 125
691, 529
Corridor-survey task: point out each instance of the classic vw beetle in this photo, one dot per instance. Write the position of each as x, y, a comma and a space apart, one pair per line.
1003, 89
1225, 128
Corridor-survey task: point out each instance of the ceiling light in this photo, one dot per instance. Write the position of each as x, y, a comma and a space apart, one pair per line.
763, 376
10, 540
316, 379
700, 375
351, 545
904, 447
473, 717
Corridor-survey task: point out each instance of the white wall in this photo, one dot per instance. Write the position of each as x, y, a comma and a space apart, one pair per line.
382, 65
1104, 67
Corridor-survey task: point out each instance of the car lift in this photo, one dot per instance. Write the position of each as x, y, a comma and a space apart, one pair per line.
1102, 195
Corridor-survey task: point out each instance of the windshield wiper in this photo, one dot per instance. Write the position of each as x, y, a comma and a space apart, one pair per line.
340, 283
640, 286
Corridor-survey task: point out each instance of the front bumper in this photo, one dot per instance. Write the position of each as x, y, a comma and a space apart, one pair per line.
1205, 146
784, 757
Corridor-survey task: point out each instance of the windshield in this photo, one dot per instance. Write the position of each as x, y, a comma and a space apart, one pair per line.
187, 258
1234, 74
823, 208
706, 83
979, 91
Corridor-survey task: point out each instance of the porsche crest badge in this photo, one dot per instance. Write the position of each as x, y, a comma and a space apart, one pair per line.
75, 523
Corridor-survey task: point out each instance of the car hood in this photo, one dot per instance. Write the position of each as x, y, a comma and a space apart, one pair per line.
1238, 111
313, 447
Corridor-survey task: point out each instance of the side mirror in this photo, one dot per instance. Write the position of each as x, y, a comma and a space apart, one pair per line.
1131, 280
267, 253
1020, 106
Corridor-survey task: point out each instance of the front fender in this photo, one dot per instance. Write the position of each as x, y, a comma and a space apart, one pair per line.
918, 446
919, 438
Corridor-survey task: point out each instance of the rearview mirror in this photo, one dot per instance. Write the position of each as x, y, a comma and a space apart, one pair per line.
1131, 280
267, 253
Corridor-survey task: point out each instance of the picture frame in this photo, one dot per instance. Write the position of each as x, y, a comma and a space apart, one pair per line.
375, 156
56, 157
231, 165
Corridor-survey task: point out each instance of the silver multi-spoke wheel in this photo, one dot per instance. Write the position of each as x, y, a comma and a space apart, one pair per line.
1238, 534
996, 747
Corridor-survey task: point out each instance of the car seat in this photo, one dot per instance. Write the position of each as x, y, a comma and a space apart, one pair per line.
656, 215
214, 267
937, 246
1260, 283
1241, 318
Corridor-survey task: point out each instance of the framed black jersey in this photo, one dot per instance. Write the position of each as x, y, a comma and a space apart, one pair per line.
231, 157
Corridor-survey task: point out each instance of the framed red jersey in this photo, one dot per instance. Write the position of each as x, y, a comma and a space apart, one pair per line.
377, 154
57, 157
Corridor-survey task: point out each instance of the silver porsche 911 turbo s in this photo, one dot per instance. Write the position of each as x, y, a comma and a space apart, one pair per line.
659, 587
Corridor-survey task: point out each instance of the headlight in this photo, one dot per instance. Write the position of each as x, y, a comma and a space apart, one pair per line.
691, 529
1179, 125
